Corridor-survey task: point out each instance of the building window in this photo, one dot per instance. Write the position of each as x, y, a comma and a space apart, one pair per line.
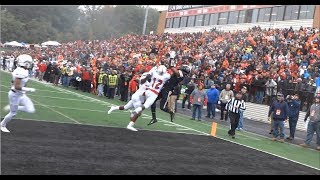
264, 15
176, 22
233, 17
242, 16
254, 16
214, 19
223, 18
292, 12
191, 21
277, 13
206, 19
183, 22
168, 23
199, 20
306, 12
251, 15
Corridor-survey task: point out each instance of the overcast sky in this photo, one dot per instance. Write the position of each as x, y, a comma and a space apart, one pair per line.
160, 7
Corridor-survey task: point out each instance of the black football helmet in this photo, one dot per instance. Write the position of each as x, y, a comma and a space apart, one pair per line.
185, 70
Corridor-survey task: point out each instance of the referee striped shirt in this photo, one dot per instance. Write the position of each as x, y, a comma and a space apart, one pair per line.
234, 105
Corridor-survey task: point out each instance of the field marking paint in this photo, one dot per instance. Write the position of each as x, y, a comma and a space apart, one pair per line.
224, 126
80, 95
54, 97
182, 129
80, 109
168, 124
57, 112
9, 87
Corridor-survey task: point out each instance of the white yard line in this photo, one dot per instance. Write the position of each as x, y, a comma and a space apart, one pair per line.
168, 124
54, 97
80, 109
8, 87
182, 129
206, 124
57, 112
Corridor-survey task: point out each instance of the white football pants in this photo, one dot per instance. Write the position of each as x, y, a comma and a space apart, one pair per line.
16, 99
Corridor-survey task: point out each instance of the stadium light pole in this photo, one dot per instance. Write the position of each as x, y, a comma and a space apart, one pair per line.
145, 20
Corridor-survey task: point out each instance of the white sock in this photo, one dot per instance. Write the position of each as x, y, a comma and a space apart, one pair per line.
131, 123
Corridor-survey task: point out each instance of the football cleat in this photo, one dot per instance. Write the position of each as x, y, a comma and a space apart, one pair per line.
131, 128
4, 129
172, 116
112, 109
153, 121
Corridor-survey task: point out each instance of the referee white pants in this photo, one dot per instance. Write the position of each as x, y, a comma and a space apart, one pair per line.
17, 101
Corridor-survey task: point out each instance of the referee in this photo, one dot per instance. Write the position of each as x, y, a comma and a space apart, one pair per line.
233, 107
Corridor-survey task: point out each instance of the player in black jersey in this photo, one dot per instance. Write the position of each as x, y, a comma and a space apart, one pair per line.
166, 91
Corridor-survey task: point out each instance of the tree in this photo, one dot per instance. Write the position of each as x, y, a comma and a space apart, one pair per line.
38, 31
68, 23
152, 22
11, 28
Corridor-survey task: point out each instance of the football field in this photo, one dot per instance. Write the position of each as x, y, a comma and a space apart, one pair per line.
71, 133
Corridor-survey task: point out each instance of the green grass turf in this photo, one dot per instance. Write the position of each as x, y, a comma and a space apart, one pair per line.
71, 106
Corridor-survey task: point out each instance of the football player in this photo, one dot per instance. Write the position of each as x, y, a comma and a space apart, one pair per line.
18, 100
138, 97
158, 79
166, 91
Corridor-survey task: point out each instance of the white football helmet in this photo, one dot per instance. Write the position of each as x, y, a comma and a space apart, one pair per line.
24, 60
161, 69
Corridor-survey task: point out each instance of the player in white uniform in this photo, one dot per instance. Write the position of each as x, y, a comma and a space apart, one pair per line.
137, 98
11, 63
18, 100
8, 62
158, 79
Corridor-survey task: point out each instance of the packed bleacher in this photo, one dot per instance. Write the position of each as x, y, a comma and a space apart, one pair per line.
266, 61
